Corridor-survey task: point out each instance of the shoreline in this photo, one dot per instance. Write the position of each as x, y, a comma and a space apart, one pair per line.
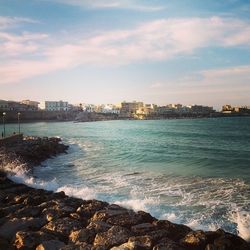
30, 217
93, 117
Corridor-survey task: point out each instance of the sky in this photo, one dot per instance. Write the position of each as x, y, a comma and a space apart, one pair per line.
108, 51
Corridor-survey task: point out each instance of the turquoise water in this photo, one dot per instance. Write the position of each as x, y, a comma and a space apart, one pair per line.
195, 172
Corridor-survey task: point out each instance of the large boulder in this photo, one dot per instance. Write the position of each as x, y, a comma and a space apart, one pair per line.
115, 236
83, 235
63, 226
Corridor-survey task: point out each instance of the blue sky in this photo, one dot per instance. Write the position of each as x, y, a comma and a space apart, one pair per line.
107, 51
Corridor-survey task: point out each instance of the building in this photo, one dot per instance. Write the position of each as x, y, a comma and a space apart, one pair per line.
15, 106
130, 109
33, 105
228, 109
55, 106
202, 109
108, 109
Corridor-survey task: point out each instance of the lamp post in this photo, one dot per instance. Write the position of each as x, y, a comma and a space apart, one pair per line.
4, 114
18, 119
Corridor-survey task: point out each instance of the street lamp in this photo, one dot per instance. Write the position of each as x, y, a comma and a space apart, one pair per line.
18, 119
4, 114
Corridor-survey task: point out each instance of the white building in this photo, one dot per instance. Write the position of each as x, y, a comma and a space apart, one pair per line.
55, 106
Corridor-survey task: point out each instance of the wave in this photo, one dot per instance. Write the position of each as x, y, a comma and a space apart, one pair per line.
187, 209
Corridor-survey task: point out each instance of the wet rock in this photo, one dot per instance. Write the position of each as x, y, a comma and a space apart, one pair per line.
146, 217
50, 245
195, 240
11, 227
115, 236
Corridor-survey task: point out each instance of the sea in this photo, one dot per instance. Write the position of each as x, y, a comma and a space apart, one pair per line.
190, 171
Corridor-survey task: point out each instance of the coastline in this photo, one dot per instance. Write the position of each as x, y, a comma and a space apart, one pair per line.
30, 217
64, 116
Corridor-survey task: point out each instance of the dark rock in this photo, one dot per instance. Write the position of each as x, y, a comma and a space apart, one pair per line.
175, 231
143, 228
168, 244
29, 240
195, 240
99, 226
115, 236
229, 241
28, 211
81, 246
89, 208
11, 227
83, 235
50, 245
63, 226
5, 245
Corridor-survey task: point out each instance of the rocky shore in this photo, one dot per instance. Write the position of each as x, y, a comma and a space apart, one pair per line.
42, 220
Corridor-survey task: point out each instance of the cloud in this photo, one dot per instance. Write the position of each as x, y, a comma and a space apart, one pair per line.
156, 85
7, 21
113, 4
152, 41
23, 44
225, 85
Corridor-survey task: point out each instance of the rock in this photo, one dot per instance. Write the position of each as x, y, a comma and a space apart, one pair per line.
50, 245
210, 247
141, 242
115, 236
229, 241
143, 228
82, 246
136, 243
146, 217
63, 226
5, 245
174, 231
168, 245
126, 220
195, 240
89, 208
29, 240
99, 226
109, 212
11, 227
83, 235
28, 211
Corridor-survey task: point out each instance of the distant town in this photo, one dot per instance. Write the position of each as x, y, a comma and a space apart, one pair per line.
63, 110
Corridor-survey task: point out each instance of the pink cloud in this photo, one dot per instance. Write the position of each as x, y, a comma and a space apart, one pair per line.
153, 41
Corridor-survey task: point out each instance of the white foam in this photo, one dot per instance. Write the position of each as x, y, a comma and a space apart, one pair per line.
137, 204
242, 219
20, 175
169, 216
84, 193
